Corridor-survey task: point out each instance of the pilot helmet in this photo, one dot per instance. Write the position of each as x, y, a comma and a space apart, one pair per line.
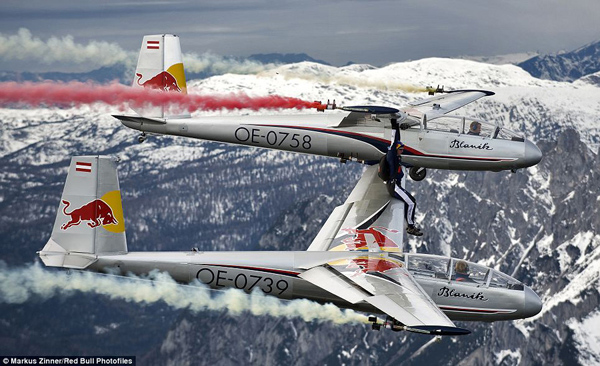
461, 267
475, 126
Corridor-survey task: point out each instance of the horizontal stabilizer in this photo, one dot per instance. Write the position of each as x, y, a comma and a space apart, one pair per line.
140, 120
53, 255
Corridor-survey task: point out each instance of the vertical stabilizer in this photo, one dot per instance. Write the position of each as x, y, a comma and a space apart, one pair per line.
160, 67
89, 221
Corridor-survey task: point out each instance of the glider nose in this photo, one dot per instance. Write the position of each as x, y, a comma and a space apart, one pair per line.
533, 304
533, 155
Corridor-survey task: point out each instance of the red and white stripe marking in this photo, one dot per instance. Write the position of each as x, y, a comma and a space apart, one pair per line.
153, 45
81, 166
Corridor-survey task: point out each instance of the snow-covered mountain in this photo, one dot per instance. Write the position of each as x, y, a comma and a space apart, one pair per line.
511, 58
566, 66
542, 225
283, 58
107, 74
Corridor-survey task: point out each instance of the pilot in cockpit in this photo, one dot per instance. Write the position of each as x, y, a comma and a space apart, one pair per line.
474, 128
461, 272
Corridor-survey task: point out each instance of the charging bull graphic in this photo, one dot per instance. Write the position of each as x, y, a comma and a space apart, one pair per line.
163, 81
98, 212
358, 240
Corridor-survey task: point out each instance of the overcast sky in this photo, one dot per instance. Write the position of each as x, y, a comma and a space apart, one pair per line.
374, 32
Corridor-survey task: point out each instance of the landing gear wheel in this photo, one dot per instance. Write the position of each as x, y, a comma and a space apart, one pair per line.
376, 326
417, 174
142, 137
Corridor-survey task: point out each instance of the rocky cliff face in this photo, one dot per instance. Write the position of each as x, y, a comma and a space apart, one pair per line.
568, 66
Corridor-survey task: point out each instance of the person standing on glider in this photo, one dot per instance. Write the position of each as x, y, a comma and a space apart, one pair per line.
394, 184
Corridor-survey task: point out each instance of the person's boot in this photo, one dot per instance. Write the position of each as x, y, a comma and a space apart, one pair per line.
414, 230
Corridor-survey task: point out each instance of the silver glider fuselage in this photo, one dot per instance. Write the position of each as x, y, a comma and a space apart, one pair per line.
432, 137
444, 144
278, 274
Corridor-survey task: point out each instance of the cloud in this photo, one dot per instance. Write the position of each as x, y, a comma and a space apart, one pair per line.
22, 46
64, 52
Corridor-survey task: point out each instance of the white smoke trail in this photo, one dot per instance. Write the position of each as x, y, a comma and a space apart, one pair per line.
19, 285
361, 81
60, 51
216, 65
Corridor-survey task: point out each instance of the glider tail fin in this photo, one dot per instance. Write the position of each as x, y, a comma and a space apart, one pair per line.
160, 67
89, 220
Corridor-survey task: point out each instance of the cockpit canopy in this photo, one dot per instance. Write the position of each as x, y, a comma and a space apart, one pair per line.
462, 125
458, 270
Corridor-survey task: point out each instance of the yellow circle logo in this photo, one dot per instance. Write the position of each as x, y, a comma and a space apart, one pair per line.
113, 199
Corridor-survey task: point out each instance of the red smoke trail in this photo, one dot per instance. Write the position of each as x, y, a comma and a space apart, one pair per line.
77, 93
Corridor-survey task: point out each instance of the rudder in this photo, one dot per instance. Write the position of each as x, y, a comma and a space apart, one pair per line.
89, 221
160, 67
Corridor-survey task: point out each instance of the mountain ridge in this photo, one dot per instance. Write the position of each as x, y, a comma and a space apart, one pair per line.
566, 66
284, 58
563, 66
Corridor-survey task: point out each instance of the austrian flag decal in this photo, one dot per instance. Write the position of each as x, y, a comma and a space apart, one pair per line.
81, 166
152, 45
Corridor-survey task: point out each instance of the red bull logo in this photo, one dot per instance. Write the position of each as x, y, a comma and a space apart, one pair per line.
373, 264
163, 81
97, 212
359, 238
